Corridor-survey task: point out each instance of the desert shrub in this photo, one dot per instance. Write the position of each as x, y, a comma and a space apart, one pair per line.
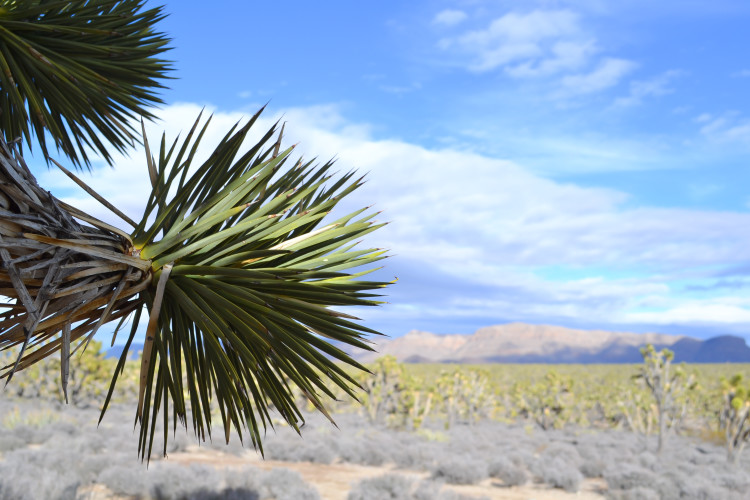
413, 454
285, 484
361, 451
701, 456
625, 476
171, 481
460, 470
64, 427
88, 467
522, 458
639, 493
400, 487
299, 450
593, 460
124, 480
251, 483
427, 490
732, 481
388, 486
225, 494
698, 487
17, 482
9, 442
648, 460
233, 447
242, 478
694, 487
667, 485
447, 494
508, 472
563, 451
25, 433
180, 441
89, 443
558, 473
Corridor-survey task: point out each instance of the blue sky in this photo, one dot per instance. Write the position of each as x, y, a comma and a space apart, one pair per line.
582, 164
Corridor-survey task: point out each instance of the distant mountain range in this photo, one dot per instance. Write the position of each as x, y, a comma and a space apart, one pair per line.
524, 343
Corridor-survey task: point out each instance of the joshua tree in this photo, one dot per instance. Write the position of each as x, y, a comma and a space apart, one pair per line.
734, 418
666, 384
235, 260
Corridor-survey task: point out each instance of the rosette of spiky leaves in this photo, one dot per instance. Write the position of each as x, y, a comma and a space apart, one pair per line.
249, 269
78, 70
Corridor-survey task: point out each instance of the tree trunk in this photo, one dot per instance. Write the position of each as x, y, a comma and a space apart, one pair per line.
662, 430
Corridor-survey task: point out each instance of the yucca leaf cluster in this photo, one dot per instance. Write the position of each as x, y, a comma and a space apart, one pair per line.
78, 71
255, 270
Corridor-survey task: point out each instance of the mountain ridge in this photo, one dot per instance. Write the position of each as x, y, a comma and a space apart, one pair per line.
526, 343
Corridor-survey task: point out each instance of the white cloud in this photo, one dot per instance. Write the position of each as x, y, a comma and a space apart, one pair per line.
519, 38
640, 89
545, 44
726, 128
722, 310
563, 55
483, 223
449, 17
400, 89
607, 74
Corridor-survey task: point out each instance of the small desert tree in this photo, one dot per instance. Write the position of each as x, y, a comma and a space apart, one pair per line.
667, 384
548, 402
466, 395
392, 397
88, 378
734, 418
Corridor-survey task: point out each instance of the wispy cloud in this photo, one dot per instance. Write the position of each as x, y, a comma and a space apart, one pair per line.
562, 56
400, 89
727, 127
449, 17
641, 89
608, 73
720, 310
519, 38
542, 44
